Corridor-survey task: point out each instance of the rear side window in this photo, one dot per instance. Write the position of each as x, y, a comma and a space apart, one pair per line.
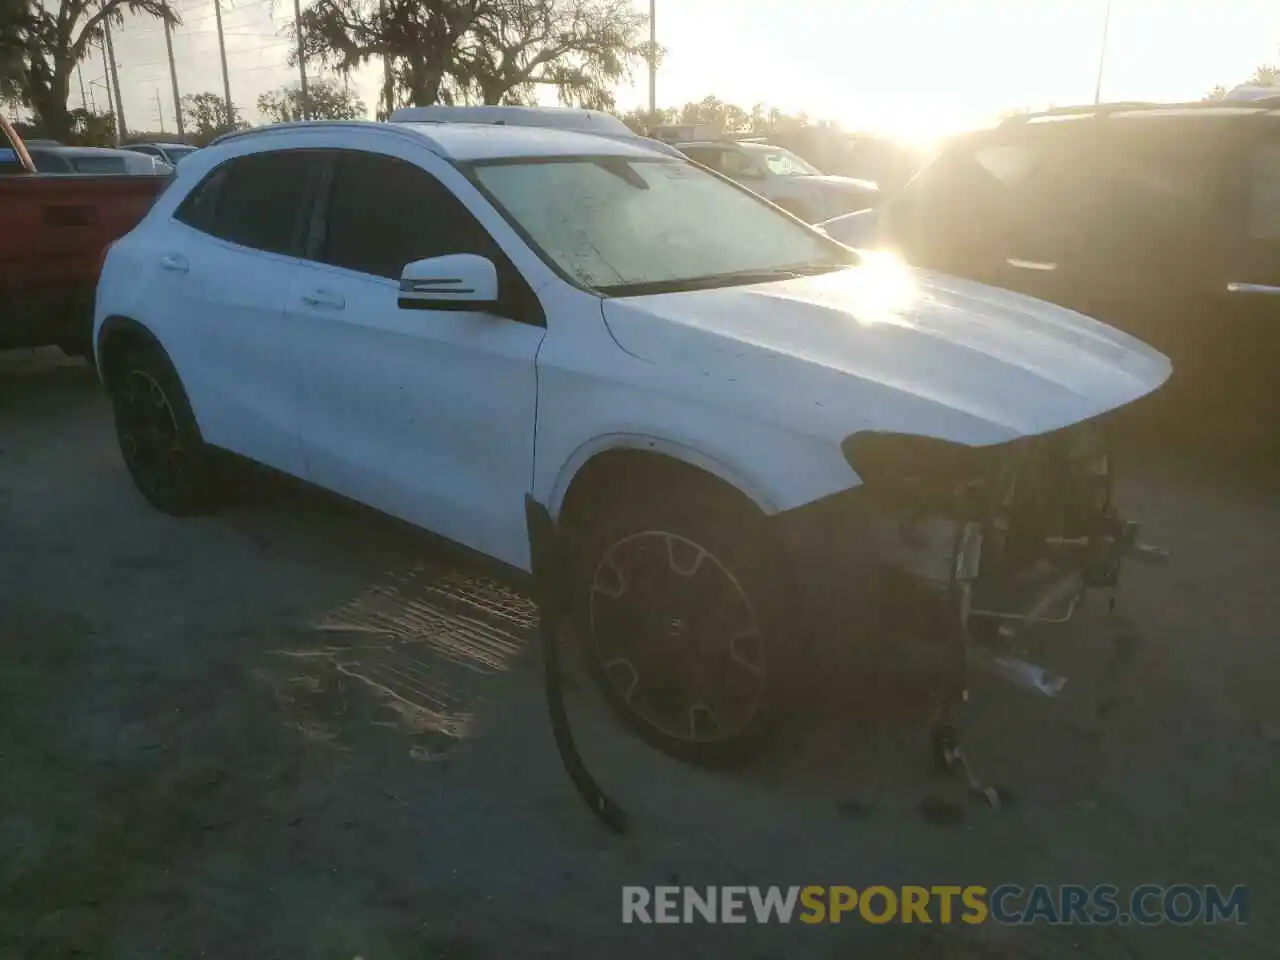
198, 207
712, 157
384, 213
259, 201
99, 164
46, 162
1264, 207
1120, 195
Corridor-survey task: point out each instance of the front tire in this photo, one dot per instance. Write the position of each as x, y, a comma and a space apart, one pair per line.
681, 605
159, 439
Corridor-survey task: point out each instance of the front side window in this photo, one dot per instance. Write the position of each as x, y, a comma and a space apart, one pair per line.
620, 225
384, 213
780, 162
737, 164
257, 201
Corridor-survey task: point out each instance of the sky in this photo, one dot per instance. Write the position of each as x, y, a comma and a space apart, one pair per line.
909, 67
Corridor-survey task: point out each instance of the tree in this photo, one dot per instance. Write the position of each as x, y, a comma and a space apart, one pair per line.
41, 46
582, 48
493, 51
206, 116
1264, 76
13, 15
327, 101
420, 38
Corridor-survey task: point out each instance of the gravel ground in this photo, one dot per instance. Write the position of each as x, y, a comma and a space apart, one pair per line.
295, 730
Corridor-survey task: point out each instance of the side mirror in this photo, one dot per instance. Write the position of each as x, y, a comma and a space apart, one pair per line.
459, 281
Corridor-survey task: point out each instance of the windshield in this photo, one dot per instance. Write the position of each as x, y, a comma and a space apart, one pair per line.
623, 226
177, 153
781, 163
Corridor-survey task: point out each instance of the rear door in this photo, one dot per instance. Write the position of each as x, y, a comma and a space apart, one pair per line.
220, 270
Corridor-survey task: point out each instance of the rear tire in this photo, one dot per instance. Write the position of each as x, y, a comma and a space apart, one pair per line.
682, 608
159, 439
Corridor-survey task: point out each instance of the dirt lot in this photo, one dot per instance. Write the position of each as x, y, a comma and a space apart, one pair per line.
297, 731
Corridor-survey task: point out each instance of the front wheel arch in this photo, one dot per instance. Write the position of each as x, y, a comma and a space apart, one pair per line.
618, 455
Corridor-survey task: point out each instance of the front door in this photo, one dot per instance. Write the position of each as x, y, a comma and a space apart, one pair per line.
426, 415
1251, 314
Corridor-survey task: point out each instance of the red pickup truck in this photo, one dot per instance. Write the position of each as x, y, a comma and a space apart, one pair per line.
54, 232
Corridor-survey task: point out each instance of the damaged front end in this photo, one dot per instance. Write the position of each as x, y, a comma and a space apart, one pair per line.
1016, 532
965, 547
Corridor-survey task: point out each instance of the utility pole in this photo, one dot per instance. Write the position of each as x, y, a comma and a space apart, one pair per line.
173, 78
1102, 54
159, 110
653, 60
113, 78
388, 90
302, 64
84, 100
222, 52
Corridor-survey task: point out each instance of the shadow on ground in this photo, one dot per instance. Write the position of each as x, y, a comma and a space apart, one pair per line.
294, 730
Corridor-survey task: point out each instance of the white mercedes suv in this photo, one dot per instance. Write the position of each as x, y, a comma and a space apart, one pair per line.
740, 426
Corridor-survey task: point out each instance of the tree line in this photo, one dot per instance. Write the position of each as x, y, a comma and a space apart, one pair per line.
1264, 76
435, 51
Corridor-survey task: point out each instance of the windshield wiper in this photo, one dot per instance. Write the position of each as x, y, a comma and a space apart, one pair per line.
711, 280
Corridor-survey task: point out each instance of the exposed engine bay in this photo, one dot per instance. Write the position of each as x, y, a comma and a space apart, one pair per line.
999, 539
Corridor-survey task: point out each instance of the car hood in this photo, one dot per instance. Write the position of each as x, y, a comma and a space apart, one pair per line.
857, 229
885, 347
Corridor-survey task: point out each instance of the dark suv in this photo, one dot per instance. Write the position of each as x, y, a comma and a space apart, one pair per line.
1162, 220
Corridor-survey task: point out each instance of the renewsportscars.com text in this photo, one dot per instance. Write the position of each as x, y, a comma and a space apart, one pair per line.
1010, 904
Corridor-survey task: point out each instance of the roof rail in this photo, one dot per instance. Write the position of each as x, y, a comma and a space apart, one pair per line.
294, 125
1103, 110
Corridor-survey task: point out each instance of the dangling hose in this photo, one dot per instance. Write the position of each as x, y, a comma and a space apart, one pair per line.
551, 593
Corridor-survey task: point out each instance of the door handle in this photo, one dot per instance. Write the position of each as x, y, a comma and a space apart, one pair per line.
324, 298
175, 262
1263, 289
1031, 264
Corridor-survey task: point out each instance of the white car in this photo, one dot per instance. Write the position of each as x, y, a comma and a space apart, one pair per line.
783, 177
730, 417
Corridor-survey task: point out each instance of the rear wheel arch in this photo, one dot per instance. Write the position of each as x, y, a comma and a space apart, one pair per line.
117, 337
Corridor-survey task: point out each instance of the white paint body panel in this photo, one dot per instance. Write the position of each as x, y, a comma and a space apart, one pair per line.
446, 419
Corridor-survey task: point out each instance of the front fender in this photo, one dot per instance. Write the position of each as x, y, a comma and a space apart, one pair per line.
676, 450
777, 470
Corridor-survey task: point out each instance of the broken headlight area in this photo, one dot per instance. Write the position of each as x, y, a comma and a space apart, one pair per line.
1010, 521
